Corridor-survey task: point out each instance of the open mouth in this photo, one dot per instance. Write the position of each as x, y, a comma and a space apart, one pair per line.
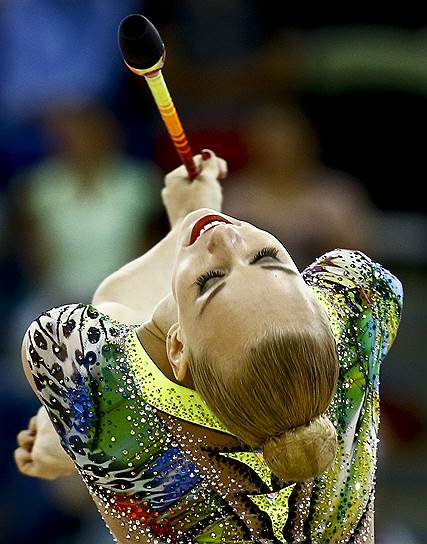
204, 224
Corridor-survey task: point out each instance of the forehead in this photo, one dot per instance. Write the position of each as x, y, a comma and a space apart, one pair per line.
246, 307
270, 284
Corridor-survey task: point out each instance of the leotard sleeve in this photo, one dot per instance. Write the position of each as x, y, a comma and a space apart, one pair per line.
363, 301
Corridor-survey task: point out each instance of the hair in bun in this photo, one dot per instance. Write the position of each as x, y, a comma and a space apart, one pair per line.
304, 452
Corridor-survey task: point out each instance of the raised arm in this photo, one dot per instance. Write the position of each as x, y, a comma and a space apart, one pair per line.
128, 295
131, 293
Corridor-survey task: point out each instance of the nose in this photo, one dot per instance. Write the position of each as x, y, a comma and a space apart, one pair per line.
224, 237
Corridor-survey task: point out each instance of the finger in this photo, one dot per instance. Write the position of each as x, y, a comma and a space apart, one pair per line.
208, 154
211, 160
210, 165
198, 161
26, 465
22, 459
223, 168
32, 425
26, 439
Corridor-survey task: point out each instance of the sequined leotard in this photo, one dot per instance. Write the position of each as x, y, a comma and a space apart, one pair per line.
155, 457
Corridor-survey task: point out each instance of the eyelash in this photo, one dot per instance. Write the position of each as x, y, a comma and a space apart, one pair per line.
264, 252
201, 280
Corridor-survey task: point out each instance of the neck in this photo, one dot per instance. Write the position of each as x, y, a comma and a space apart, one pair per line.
154, 344
152, 334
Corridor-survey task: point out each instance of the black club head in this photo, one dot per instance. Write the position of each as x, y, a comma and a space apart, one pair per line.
139, 41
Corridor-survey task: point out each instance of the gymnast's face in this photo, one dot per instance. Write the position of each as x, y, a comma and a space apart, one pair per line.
232, 283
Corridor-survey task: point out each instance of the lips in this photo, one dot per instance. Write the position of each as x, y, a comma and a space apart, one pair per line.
203, 222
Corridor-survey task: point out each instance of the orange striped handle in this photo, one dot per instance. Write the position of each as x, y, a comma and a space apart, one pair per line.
170, 117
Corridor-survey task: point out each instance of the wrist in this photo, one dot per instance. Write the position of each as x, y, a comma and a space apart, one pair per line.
177, 224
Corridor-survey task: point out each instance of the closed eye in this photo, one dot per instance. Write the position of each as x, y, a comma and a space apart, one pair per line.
203, 281
265, 252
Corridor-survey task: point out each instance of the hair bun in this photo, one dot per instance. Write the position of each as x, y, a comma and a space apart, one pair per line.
304, 452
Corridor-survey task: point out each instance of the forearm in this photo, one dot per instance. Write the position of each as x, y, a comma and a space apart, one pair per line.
132, 293
142, 283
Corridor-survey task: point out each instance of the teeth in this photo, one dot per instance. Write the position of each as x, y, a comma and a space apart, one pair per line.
209, 226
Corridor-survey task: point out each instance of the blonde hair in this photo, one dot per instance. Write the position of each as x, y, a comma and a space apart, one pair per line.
277, 397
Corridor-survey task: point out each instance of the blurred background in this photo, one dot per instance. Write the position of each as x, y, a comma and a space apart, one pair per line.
320, 114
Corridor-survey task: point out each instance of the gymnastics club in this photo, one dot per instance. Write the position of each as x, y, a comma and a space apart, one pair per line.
144, 54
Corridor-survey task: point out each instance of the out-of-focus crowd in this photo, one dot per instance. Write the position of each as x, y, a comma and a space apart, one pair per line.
319, 117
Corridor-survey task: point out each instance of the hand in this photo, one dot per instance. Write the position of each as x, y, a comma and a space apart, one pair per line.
39, 453
182, 196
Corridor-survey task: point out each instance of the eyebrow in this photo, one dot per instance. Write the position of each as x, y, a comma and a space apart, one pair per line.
218, 288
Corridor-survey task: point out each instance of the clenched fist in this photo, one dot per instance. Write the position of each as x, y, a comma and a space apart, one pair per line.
39, 453
182, 196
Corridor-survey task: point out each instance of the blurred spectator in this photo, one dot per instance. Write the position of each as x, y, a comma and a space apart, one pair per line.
79, 214
83, 211
287, 190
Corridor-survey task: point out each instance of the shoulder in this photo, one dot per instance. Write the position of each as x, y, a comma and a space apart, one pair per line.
68, 350
68, 324
70, 333
358, 293
353, 269
64, 339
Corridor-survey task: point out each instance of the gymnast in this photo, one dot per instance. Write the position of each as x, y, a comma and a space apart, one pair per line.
245, 408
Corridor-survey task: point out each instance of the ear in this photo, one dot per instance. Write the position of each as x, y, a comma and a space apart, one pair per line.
176, 354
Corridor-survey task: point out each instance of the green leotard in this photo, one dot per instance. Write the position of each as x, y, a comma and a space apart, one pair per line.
156, 457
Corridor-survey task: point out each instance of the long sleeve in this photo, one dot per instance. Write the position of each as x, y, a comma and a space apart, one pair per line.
363, 301
66, 350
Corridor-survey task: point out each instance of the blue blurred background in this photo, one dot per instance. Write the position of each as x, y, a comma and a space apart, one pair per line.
321, 116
